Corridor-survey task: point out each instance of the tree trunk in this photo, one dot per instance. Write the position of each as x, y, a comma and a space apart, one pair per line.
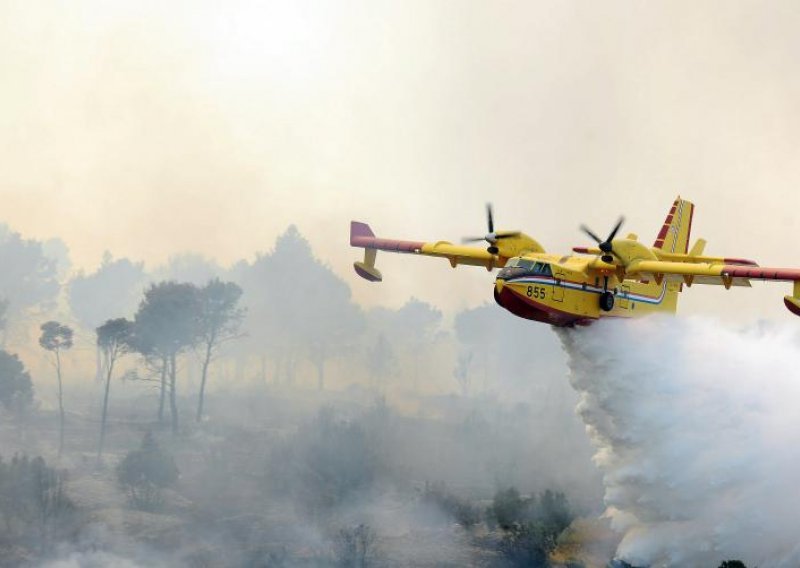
110, 370
206, 362
60, 406
98, 364
173, 403
163, 389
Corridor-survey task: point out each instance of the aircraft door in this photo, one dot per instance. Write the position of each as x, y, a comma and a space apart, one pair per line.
558, 289
623, 298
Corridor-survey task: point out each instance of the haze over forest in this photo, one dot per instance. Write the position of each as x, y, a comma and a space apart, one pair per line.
462, 411
177, 184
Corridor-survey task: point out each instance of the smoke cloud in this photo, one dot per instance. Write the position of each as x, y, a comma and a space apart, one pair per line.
695, 427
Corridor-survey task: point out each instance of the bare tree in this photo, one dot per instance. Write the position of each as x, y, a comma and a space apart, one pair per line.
57, 338
220, 318
113, 340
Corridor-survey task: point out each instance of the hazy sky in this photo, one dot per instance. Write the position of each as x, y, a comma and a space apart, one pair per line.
150, 128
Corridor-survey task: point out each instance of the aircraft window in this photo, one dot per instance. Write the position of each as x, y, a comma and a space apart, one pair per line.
526, 264
546, 269
512, 262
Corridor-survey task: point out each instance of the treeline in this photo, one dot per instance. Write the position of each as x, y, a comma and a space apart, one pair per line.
284, 309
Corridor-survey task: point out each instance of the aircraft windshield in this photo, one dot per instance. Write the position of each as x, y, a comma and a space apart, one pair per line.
526, 264
530, 266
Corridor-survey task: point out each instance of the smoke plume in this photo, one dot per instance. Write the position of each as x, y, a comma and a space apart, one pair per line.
695, 427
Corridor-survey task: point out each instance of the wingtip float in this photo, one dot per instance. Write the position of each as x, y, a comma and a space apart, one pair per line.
619, 277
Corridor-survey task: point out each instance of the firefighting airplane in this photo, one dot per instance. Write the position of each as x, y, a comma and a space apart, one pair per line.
617, 278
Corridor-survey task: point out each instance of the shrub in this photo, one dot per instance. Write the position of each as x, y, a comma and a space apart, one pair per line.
325, 463
530, 526
528, 544
508, 508
353, 546
463, 512
553, 511
145, 472
33, 502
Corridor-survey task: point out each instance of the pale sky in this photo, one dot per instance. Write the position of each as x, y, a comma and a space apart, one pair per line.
151, 128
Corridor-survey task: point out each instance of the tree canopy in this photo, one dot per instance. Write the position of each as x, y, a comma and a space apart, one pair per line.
114, 289
297, 306
29, 276
16, 388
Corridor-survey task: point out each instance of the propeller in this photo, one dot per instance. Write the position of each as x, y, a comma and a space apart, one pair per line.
491, 237
605, 245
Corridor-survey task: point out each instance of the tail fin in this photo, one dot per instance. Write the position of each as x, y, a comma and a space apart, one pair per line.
358, 231
674, 235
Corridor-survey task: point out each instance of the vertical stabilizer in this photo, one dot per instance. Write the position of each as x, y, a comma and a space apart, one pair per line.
674, 235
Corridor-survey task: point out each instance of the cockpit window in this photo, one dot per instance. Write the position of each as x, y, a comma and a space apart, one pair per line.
526, 264
530, 266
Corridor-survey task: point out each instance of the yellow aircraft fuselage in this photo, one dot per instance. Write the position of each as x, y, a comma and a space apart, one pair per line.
566, 290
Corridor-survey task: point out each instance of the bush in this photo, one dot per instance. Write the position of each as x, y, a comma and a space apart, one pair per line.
145, 472
732, 564
33, 503
353, 546
463, 512
325, 463
528, 544
508, 508
553, 511
530, 525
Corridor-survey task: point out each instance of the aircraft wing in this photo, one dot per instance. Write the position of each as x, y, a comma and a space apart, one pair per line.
361, 236
726, 274
698, 272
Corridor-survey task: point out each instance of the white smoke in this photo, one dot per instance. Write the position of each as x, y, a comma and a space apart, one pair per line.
697, 433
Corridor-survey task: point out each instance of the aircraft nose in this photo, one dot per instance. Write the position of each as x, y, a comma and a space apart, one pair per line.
498, 285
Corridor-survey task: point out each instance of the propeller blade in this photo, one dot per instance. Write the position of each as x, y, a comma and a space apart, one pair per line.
615, 229
489, 217
472, 239
589, 232
507, 234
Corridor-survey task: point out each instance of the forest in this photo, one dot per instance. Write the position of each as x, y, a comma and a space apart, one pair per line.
254, 415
